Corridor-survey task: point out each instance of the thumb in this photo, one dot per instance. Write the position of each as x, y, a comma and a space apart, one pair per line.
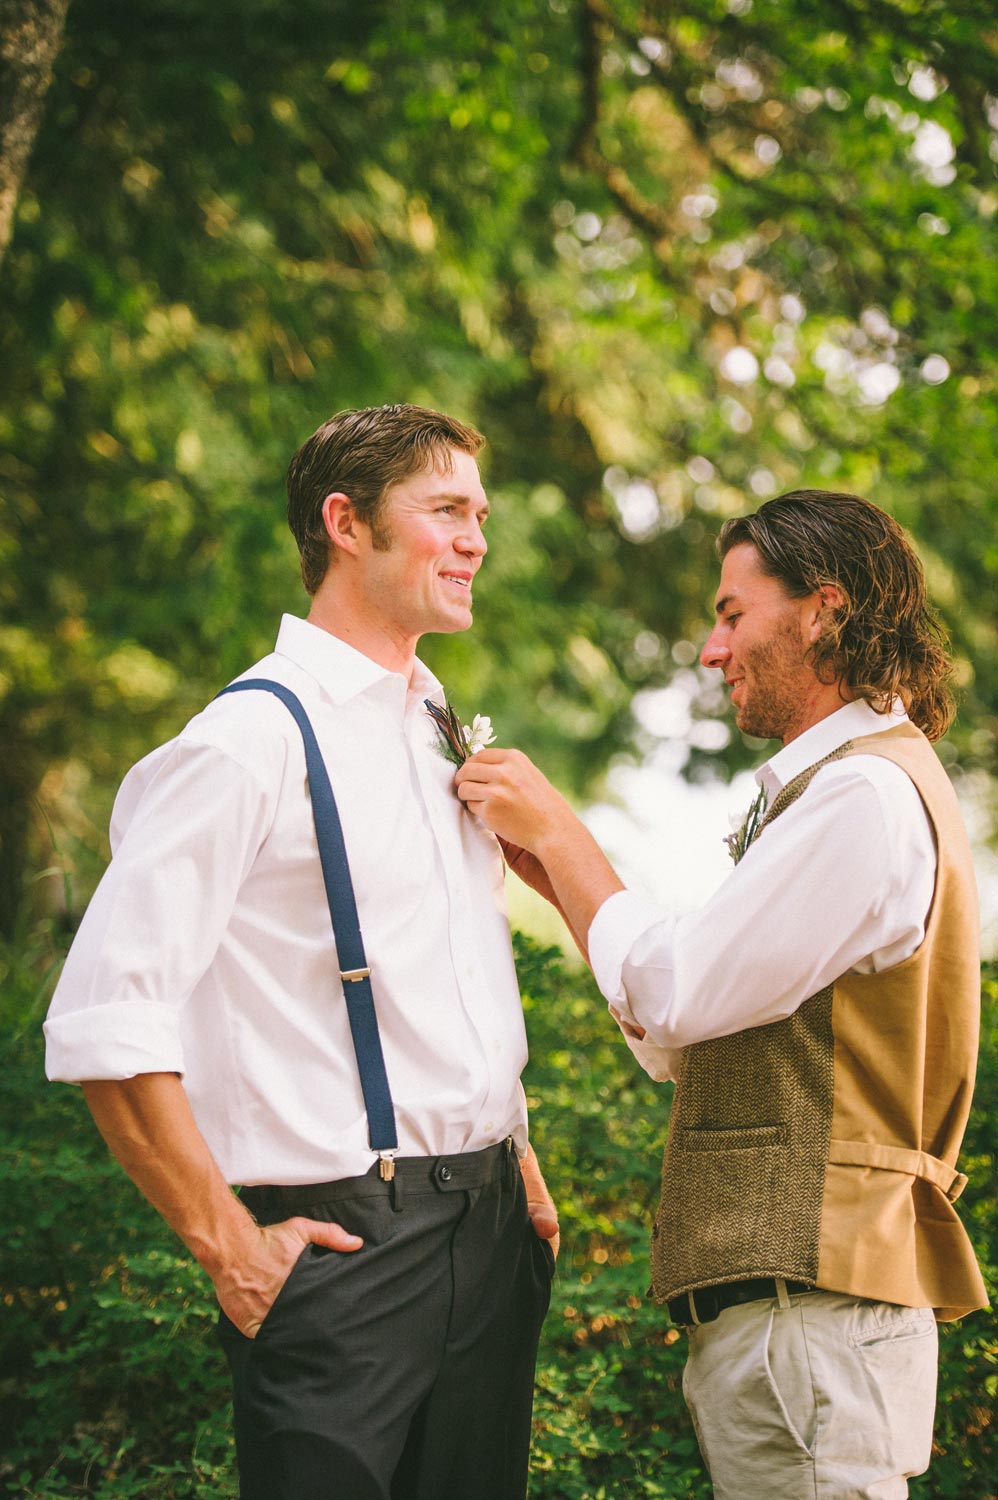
540, 1205
330, 1236
544, 1218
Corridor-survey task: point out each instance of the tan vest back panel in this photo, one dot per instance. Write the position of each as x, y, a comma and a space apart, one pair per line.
905, 1058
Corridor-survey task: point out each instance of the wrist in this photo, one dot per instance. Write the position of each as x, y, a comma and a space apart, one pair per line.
226, 1241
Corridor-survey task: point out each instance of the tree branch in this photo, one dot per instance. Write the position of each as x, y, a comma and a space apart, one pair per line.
30, 37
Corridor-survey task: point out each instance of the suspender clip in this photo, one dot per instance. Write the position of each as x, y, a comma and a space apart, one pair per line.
386, 1169
351, 976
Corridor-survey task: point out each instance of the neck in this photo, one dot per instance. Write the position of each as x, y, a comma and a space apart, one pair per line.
366, 634
824, 699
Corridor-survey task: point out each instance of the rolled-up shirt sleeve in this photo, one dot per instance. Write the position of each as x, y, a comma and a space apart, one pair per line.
195, 818
660, 1063
846, 884
620, 921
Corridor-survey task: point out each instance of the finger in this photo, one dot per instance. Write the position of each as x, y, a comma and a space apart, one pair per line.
476, 806
472, 772
540, 1204
330, 1236
544, 1219
473, 795
629, 1028
494, 757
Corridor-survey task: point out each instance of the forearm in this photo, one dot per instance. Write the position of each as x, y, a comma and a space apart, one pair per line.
148, 1124
530, 870
519, 804
581, 876
149, 1128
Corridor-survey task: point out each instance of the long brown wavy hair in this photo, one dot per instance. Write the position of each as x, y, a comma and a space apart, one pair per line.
884, 642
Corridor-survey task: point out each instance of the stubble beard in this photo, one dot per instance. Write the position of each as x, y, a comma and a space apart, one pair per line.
773, 705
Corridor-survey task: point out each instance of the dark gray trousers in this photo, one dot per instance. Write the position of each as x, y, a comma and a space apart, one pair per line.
404, 1370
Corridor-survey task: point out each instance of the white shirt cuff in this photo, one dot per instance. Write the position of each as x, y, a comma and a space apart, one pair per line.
113, 1041
620, 921
660, 1063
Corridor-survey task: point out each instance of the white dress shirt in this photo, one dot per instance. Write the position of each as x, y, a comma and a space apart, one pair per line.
841, 881
207, 949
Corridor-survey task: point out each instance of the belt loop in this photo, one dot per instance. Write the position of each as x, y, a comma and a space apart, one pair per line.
782, 1296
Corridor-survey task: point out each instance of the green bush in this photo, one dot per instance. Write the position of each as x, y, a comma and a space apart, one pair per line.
111, 1384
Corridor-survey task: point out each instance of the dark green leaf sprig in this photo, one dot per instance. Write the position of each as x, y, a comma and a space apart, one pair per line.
739, 840
459, 741
452, 742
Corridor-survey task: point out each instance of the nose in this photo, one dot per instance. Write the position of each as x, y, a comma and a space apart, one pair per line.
716, 651
472, 539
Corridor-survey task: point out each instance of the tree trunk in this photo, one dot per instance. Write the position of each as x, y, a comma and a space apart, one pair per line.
30, 35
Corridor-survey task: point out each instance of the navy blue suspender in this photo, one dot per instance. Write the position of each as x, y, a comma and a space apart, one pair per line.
354, 970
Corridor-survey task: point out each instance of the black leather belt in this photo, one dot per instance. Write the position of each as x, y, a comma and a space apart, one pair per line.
708, 1301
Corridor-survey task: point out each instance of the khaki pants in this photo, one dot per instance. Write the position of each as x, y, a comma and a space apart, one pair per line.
828, 1398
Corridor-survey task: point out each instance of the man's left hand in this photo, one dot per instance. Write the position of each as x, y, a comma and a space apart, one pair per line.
540, 1204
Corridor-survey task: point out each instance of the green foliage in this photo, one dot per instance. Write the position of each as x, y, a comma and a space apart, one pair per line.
112, 1386
670, 259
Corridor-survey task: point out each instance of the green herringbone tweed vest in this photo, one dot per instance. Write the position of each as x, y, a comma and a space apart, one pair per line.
748, 1142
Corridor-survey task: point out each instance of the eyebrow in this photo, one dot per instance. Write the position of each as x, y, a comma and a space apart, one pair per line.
722, 604
454, 499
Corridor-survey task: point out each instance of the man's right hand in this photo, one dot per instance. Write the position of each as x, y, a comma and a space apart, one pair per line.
248, 1287
148, 1124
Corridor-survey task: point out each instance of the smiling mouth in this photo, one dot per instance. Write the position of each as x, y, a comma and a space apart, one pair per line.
461, 583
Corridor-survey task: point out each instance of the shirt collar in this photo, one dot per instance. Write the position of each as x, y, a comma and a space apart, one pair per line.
341, 671
847, 723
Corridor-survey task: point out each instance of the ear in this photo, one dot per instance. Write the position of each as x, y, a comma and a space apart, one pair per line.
825, 601
341, 521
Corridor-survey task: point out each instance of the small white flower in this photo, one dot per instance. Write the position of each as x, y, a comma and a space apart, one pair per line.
479, 734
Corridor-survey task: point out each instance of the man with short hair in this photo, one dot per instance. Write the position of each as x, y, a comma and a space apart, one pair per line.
819, 1015
297, 976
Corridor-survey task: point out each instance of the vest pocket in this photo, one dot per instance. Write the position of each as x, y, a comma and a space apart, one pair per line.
732, 1137
726, 1212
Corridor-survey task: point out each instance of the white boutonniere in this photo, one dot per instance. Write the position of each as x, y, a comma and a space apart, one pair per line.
744, 829
459, 741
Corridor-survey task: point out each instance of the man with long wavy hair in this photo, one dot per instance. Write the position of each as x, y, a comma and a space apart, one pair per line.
819, 1015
